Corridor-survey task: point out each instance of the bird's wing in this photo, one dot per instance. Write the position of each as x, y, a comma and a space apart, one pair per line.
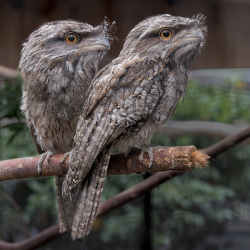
66, 206
90, 195
126, 106
106, 79
34, 137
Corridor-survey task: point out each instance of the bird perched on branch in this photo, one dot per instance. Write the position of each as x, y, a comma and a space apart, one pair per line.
127, 101
58, 61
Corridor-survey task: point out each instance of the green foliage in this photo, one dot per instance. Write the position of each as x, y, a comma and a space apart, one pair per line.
36, 197
186, 209
193, 205
41, 200
10, 98
15, 140
212, 103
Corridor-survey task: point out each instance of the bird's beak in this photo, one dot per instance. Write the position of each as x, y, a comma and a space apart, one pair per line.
196, 36
98, 44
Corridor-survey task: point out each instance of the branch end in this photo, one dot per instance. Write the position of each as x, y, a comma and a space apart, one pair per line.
199, 159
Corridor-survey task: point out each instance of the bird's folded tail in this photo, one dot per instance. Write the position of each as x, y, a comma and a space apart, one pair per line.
90, 196
66, 205
91, 137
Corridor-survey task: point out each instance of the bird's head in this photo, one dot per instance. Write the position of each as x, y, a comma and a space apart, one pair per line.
65, 43
173, 39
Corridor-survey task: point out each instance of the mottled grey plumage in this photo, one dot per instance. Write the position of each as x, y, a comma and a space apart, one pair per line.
57, 74
127, 101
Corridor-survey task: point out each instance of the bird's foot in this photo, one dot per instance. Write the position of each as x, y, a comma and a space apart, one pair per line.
46, 155
65, 157
148, 149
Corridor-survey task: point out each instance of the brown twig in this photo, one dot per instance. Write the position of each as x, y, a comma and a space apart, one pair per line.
173, 129
16, 207
165, 158
227, 143
128, 195
8, 73
109, 205
34, 242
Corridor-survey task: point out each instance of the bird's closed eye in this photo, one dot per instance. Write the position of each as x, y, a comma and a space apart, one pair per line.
71, 38
165, 33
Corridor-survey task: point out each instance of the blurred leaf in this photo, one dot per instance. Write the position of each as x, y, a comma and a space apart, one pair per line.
187, 209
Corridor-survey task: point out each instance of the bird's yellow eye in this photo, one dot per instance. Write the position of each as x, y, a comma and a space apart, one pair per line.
166, 34
71, 38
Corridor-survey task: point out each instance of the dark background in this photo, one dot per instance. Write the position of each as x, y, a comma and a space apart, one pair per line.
203, 210
228, 43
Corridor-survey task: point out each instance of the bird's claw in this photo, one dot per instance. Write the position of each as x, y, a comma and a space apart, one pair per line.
46, 155
65, 156
150, 151
141, 156
49, 156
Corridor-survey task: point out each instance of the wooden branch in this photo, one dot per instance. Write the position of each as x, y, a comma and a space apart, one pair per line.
128, 195
16, 207
107, 206
42, 238
165, 158
8, 73
227, 143
173, 129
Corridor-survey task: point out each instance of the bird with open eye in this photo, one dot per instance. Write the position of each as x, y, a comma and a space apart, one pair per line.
58, 62
166, 33
127, 101
71, 38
